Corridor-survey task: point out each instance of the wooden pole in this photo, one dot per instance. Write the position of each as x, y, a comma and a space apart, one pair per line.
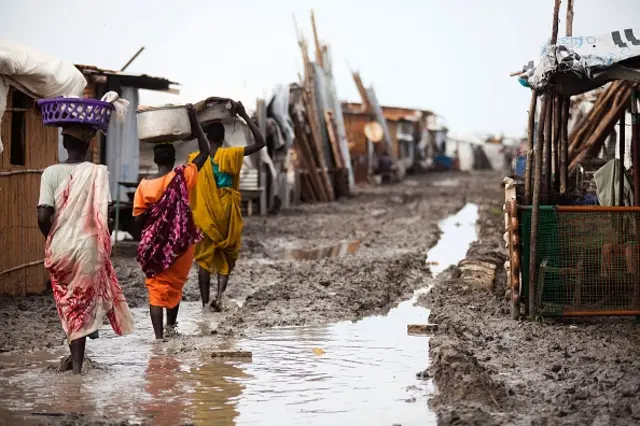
530, 138
555, 153
635, 142
569, 32
316, 40
564, 143
604, 127
556, 22
535, 207
548, 147
622, 142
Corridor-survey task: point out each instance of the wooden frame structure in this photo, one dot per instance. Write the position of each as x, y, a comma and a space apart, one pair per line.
557, 151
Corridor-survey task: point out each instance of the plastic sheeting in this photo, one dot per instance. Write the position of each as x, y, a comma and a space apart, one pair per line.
332, 98
279, 110
123, 147
579, 64
37, 74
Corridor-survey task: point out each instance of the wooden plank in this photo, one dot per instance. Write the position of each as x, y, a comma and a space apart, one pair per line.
332, 131
422, 329
231, 354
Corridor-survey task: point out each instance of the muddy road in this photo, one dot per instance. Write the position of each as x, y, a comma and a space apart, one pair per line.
491, 370
317, 267
389, 230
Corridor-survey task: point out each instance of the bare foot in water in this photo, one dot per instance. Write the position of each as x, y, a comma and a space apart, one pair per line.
215, 306
65, 364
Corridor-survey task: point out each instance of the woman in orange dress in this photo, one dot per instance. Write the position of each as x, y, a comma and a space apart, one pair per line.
162, 209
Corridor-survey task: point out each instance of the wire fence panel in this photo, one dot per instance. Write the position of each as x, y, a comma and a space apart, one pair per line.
587, 259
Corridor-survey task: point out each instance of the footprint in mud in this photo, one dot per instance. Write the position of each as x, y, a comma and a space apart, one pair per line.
227, 306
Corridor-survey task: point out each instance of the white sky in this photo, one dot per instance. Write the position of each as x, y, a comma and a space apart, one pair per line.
450, 56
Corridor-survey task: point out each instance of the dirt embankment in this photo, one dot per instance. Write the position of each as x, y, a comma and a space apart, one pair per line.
491, 370
395, 225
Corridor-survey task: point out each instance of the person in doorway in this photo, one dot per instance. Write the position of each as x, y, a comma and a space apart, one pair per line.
73, 217
385, 167
161, 209
216, 207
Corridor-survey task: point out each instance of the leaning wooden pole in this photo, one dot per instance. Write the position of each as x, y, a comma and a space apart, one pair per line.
530, 138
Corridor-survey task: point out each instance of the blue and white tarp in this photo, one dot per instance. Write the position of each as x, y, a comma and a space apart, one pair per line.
578, 64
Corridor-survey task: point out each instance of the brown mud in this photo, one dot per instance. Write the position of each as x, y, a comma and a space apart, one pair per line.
395, 226
492, 370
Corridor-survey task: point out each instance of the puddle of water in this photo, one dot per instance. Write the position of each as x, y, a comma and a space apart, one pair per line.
364, 372
341, 249
446, 182
458, 232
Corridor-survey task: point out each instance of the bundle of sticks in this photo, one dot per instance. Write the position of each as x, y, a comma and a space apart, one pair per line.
590, 133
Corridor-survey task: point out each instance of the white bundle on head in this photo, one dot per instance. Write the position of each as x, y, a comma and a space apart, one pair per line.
119, 105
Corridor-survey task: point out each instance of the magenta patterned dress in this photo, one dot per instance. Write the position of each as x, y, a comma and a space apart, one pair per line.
169, 229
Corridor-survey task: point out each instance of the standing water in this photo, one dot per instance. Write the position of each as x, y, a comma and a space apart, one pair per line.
360, 372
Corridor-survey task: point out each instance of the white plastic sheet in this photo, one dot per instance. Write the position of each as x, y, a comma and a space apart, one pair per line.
578, 64
37, 74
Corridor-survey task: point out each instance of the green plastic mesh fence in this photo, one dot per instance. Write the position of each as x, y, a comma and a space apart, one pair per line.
587, 261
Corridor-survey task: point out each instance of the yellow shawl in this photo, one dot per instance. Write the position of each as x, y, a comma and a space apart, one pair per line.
216, 212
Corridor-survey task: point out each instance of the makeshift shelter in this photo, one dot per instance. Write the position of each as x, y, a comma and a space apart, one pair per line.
29, 147
406, 129
568, 259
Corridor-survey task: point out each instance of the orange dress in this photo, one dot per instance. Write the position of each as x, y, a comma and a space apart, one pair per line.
165, 289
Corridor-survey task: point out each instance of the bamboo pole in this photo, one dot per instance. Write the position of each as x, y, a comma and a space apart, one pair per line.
535, 208
622, 141
530, 138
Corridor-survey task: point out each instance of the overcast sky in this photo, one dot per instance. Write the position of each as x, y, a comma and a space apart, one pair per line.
452, 57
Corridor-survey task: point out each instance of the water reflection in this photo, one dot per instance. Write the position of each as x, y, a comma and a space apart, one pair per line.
163, 384
338, 250
364, 372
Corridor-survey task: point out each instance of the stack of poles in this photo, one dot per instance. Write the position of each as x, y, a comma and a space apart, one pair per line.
592, 131
552, 124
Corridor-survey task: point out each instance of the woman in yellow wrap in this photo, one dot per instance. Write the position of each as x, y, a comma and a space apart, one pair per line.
215, 201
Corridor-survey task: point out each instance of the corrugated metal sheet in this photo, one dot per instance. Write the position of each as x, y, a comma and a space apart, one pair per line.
123, 147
